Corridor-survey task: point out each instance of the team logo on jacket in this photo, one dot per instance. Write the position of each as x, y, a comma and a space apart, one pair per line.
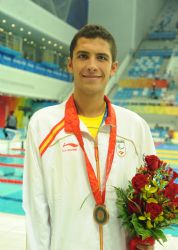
69, 147
120, 148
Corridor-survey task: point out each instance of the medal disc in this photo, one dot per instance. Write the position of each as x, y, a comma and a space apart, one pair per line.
101, 214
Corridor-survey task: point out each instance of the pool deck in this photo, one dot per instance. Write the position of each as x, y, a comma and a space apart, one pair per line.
12, 234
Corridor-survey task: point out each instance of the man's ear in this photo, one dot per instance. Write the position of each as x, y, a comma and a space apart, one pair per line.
69, 65
114, 68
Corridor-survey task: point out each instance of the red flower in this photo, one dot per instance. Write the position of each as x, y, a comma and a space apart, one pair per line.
175, 175
154, 209
153, 162
174, 203
171, 190
139, 181
135, 205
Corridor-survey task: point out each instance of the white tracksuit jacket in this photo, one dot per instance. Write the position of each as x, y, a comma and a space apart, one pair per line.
56, 182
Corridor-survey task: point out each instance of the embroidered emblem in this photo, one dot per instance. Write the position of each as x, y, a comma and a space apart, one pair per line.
69, 147
120, 148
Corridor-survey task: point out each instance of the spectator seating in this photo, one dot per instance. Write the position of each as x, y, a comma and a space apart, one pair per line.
145, 66
156, 109
9, 52
129, 93
143, 83
176, 99
166, 23
148, 88
155, 52
159, 132
14, 59
162, 35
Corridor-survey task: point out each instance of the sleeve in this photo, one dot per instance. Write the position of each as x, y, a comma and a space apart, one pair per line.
146, 143
34, 199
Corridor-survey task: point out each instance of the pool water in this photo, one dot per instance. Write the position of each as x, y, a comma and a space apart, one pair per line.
11, 198
11, 169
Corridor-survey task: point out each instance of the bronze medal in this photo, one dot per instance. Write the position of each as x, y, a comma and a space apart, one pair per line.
101, 214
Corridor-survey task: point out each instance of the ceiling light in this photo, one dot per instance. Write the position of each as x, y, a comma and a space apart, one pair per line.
25, 39
49, 42
10, 33
43, 39
3, 21
61, 47
1, 30
13, 25
29, 32
21, 29
32, 42
55, 44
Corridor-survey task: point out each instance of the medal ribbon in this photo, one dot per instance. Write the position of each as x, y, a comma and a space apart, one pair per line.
72, 125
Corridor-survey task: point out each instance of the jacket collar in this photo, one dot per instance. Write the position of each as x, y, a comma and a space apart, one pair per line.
72, 122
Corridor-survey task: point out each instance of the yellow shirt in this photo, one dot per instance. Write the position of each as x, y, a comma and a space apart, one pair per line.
92, 123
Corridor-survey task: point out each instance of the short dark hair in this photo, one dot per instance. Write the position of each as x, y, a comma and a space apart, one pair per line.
94, 31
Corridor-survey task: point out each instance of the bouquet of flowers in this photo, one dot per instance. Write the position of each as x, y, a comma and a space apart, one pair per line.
150, 202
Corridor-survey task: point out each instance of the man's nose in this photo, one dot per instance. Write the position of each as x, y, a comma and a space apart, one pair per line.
92, 65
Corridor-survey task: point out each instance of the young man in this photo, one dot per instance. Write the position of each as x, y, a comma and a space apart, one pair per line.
77, 152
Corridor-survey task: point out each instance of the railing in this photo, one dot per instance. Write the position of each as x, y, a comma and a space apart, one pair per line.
143, 101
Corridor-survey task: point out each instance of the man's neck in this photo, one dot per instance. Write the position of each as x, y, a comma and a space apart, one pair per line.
89, 106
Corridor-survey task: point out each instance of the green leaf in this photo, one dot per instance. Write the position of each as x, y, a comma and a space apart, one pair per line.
175, 220
139, 228
158, 234
121, 195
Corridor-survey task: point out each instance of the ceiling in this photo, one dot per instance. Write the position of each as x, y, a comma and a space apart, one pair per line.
30, 35
59, 8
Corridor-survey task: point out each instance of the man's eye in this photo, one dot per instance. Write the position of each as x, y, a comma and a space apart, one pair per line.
102, 58
82, 56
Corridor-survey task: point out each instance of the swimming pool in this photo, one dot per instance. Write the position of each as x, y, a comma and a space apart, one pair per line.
11, 175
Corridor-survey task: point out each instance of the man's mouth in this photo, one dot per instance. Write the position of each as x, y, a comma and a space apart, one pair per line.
91, 76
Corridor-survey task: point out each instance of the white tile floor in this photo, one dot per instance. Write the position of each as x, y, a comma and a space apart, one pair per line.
12, 234
171, 244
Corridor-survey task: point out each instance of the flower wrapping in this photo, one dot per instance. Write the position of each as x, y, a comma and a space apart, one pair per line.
133, 243
149, 203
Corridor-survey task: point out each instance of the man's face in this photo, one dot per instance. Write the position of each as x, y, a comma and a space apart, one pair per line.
91, 65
